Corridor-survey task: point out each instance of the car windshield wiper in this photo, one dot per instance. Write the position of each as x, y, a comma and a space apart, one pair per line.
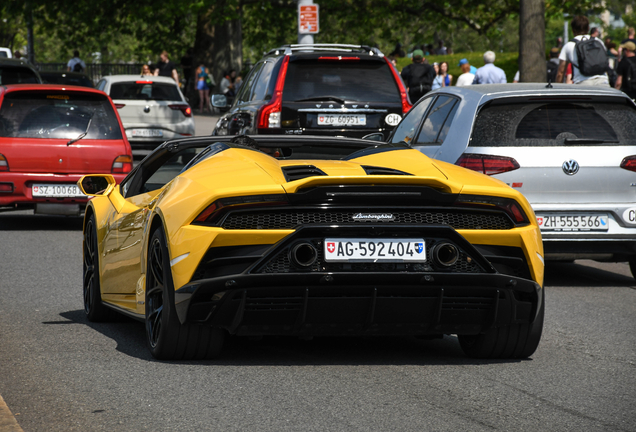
83, 134
587, 141
323, 98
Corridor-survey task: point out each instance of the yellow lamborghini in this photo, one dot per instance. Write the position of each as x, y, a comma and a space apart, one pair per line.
302, 235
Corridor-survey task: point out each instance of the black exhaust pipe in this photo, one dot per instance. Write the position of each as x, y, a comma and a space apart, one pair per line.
446, 254
303, 254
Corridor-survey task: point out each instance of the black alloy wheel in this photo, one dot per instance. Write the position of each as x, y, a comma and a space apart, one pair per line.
167, 338
93, 306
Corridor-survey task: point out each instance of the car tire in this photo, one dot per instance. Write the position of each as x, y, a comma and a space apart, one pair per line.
515, 341
95, 310
167, 338
632, 266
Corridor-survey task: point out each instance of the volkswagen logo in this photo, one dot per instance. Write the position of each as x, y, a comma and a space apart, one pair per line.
570, 167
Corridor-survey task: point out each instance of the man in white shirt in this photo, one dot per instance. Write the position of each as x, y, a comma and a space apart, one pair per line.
489, 73
580, 28
72, 63
466, 78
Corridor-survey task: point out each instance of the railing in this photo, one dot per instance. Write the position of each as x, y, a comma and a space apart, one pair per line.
96, 71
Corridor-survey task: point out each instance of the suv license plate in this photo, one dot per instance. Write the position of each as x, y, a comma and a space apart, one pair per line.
56, 190
146, 133
573, 222
342, 120
375, 250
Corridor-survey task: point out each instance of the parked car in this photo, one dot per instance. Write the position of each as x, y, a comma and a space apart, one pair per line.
17, 71
308, 235
50, 136
571, 150
68, 78
326, 89
152, 109
5, 52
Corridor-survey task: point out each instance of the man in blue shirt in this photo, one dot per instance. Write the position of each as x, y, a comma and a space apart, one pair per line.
489, 73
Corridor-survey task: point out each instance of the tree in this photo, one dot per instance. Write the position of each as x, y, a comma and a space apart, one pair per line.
532, 62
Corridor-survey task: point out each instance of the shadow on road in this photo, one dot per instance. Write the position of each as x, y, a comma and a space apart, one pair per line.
22, 221
588, 274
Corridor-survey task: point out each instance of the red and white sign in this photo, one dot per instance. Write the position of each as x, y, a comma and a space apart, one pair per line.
308, 19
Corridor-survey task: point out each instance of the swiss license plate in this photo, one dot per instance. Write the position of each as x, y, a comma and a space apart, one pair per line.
148, 133
573, 222
56, 190
342, 120
375, 250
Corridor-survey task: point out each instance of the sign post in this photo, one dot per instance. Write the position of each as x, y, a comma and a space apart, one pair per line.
308, 23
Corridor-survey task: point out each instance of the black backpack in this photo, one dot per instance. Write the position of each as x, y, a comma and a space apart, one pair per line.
78, 67
553, 68
629, 82
420, 77
592, 56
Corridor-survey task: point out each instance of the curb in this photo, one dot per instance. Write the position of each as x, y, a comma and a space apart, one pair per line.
8, 422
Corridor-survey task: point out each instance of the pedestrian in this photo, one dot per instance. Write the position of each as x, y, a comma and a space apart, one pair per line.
442, 79
418, 76
466, 78
227, 83
186, 65
145, 70
76, 64
594, 32
592, 71
17, 54
441, 50
552, 65
626, 70
166, 68
489, 73
204, 83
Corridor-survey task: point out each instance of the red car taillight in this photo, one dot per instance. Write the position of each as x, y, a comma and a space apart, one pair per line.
508, 205
4, 164
628, 163
269, 115
218, 208
122, 165
487, 164
118, 105
185, 109
406, 105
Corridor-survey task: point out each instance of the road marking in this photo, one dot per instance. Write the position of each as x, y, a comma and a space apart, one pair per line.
7, 421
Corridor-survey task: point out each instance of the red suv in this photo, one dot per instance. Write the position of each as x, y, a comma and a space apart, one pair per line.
50, 136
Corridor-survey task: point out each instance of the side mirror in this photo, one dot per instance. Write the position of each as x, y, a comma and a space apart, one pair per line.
97, 184
376, 136
218, 101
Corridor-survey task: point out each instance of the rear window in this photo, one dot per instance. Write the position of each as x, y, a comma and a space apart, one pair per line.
554, 124
141, 91
56, 115
17, 75
349, 80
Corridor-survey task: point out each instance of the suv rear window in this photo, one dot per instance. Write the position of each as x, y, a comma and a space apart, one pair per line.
349, 80
56, 115
17, 75
145, 91
554, 124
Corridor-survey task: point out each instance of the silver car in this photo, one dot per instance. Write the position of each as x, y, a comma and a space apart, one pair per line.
571, 150
152, 109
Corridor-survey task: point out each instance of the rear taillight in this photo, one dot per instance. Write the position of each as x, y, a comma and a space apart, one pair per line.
6, 187
218, 208
628, 163
143, 82
122, 165
118, 105
185, 109
4, 164
406, 105
269, 115
508, 205
487, 164
338, 58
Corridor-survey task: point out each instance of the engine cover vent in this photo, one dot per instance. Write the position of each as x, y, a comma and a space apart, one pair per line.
373, 170
298, 172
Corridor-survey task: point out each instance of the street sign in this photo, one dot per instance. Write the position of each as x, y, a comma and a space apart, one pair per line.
308, 19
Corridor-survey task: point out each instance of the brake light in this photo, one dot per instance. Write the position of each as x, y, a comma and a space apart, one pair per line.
143, 82
6, 187
4, 164
338, 58
269, 115
122, 164
628, 163
218, 208
487, 164
119, 105
406, 105
185, 109
507, 205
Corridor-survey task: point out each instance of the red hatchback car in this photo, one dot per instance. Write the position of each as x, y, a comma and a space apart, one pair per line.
50, 136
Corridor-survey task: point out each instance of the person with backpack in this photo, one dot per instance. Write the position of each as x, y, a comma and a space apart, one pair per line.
626, 70
552, 65
587, 55
418, 76
76, 64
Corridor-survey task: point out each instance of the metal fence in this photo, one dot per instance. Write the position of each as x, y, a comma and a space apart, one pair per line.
96, 71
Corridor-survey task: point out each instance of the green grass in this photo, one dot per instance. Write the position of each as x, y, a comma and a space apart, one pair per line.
507, 61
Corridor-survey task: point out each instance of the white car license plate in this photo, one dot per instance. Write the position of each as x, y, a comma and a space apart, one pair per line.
342, 120
573, 222
148, 133
375, 250
56, 190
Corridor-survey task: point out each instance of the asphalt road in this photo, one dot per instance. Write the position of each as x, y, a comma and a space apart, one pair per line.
58, 372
